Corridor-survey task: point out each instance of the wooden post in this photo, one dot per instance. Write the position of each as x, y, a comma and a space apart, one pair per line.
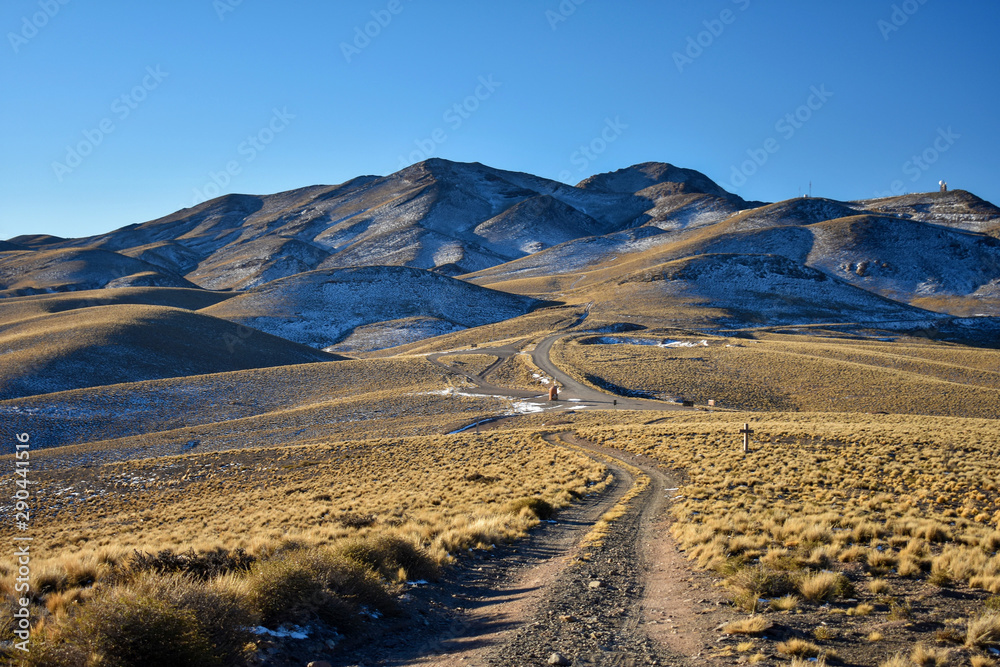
746, 431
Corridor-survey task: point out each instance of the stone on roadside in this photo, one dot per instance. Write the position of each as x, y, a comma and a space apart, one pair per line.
558, 659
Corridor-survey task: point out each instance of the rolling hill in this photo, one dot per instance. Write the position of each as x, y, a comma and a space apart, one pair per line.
103, 345
69, 269
367, 307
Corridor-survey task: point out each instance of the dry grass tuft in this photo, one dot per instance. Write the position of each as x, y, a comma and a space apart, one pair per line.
983, 630
897, 660
784, 603
753, 625
879, 587
863, 609
799, 648
824, 586
923, 656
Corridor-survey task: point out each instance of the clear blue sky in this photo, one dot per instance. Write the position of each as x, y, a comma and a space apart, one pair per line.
161, 96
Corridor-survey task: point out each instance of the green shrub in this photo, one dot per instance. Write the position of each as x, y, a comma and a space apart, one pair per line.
125, 629
283, 589
350, 580
296, 586
387, 555
223, 617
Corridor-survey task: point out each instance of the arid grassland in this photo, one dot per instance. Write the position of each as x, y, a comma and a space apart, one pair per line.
352, 520
784, 372
518, 372
190, 511
880, 532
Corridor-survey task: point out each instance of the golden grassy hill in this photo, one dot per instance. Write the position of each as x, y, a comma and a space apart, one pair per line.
773, 372
72, 269
259, 406
124, 343
21, 308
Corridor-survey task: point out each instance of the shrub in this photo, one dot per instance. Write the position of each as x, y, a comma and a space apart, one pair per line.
124, 629
223, 617
204, 566
879, 587
387, 555
897, 660
927, 657
541, 508
295, 586
900, 610
862, 609
284, 589
761, 581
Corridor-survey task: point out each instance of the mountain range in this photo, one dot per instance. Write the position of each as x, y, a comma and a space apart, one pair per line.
442, 247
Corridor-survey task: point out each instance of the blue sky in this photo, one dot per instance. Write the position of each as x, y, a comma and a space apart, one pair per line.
118, 112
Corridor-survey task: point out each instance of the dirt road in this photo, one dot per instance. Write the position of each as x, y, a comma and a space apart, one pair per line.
629, 600
572, 395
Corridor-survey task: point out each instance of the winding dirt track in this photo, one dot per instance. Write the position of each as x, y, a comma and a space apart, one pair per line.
573, 394
630, 599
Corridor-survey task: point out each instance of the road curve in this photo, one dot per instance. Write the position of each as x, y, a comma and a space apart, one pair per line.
573, 393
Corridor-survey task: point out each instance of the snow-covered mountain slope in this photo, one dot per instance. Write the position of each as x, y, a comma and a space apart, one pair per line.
64, 270
955, 208
798, 211
321, 308
245, 265
751, 289
366, 263
648, 174
677, 212
902, 258
905, 258
89, 347
168, 255
533, 225
454, 217
573, 256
